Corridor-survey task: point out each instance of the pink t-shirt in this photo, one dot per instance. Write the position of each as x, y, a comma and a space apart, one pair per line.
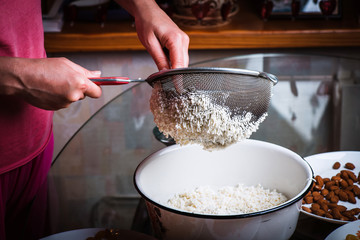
24, 129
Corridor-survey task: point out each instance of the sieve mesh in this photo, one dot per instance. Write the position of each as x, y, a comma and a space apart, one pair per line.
241, 92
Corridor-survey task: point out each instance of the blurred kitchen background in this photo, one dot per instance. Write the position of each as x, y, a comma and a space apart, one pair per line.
99, 142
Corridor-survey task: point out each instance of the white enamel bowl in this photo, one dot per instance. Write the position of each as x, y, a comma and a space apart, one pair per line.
177, 169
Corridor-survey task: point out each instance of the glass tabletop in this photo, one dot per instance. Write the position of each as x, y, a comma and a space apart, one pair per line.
314, 108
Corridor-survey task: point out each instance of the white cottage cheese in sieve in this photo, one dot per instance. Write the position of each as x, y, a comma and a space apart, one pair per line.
193, 118
227, 200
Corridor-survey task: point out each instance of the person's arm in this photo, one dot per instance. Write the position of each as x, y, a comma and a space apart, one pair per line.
157, 31
47, 83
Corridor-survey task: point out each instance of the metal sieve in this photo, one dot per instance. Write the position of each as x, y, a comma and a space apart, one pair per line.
240, 90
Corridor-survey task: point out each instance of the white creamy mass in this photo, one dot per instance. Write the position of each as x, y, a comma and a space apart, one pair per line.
227, 200
193, 118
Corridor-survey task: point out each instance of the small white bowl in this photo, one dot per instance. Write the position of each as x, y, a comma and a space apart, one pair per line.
341, 232
177, 169
322, 163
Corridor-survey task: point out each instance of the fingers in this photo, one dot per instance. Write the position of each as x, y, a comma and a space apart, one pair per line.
157, 30
156, 51
94, 74
156, 37
92, 89
178, 51
177, 44
83, 87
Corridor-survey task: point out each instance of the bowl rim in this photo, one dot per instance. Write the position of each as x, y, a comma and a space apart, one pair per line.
297, 198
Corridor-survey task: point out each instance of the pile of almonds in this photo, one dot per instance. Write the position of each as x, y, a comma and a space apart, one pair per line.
327, 193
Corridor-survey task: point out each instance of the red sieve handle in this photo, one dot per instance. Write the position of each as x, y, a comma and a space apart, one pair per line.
110, 80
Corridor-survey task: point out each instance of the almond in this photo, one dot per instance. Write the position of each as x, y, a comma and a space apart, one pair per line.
330, 195
315, 207
356, 210
336, 213
328, 179
306, 209
341, 208
334, 199
324, 207
349, 193
353, 176
329, 184
344, 183
350, 174
318, 198
336, 179
332, 205
319, 212
328, 215
356, 191
324, 192
348, 214
350, 182
319, 181
309, 199
349, 166
316, 194
352, 199
343, 196
336, 165
322, 201
344, 175
336, 191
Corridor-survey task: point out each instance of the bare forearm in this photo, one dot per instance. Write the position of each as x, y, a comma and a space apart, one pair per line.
11, 71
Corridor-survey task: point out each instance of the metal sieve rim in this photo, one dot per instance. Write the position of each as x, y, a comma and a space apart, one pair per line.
198, 70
